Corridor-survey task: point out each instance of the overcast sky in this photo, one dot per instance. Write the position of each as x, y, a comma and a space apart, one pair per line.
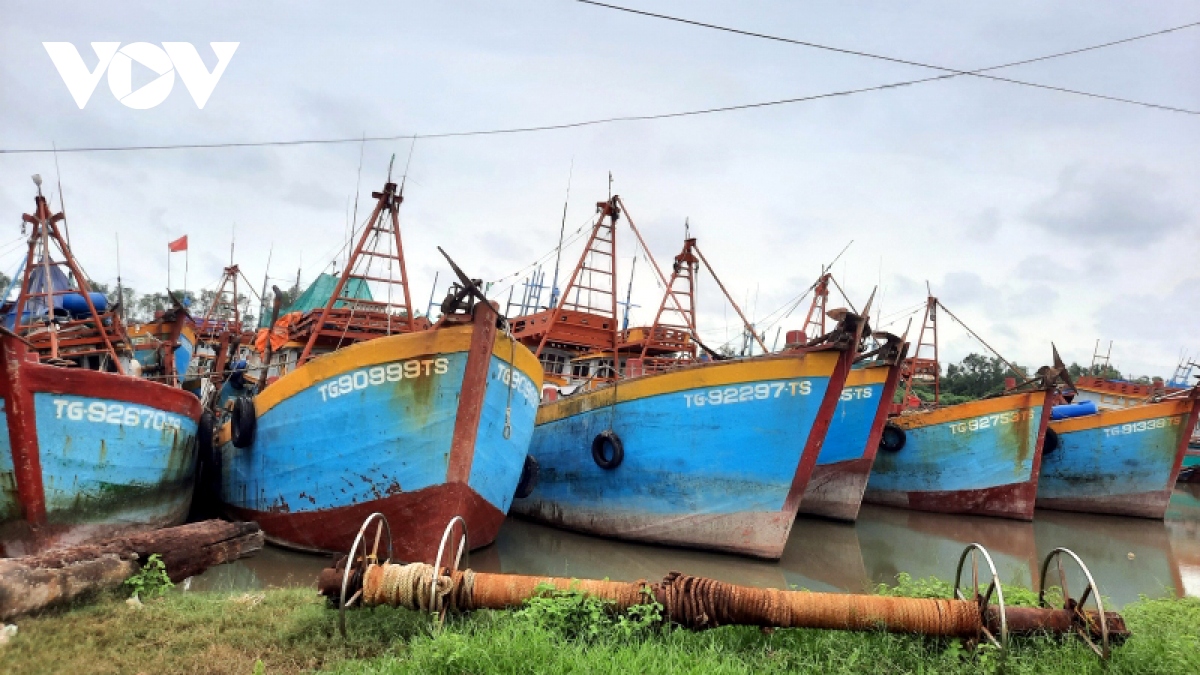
1034, 215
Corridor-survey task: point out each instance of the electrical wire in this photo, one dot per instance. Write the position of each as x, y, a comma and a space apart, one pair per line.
952, 73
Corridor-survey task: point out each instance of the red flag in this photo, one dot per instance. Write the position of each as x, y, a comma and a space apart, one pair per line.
179, 244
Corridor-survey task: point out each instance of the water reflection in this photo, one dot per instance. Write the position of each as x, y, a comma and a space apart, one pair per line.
930, 544
525, 547
1129, 557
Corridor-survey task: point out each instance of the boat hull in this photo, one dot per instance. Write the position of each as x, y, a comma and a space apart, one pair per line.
86, 455
716, 456
1122, 462
981, 457
844, 465
411, 426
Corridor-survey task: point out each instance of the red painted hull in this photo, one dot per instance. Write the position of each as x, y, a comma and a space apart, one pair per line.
836, 490
418, 519
1141, 505
1014, 501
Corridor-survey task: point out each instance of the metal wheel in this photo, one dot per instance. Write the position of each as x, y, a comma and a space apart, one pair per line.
437, 563
1079, 619
357, 562
975, 551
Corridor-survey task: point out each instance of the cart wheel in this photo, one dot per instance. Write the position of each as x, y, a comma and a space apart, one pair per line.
437, 563
977, 551
1079, 619
358, 560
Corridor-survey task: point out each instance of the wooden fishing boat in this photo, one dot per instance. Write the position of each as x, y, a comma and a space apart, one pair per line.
701, 452
1118, 461
165, 346
980, 457
88, 451
367, 409
844, 465
1118, 395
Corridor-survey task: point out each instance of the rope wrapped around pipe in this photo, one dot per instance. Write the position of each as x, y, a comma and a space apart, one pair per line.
693, 602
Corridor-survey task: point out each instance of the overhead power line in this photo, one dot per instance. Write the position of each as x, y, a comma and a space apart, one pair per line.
637, 118
980, 73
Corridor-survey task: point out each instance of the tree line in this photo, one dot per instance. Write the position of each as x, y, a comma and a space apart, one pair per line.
978, 376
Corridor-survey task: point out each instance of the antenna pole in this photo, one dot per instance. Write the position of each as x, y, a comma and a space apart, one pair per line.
62, 204
433, 291
561, 230
120, 290
629, 293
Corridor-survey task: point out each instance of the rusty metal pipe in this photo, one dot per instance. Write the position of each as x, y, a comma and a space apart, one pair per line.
698, 603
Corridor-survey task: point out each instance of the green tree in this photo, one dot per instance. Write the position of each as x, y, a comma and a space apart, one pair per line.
1105, 372
151, 303
977, 376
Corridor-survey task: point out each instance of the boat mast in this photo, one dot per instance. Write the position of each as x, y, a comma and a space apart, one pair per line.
382, 227
45, 232
818, 310
915, 366
598, 261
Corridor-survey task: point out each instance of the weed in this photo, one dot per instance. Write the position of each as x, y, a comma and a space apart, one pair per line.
151, 581
575, 615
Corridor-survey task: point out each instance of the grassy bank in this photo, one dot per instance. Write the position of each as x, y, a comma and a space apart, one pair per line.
291, 631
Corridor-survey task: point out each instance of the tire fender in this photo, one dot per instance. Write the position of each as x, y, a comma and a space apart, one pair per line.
608, 437
243, 422
893, 438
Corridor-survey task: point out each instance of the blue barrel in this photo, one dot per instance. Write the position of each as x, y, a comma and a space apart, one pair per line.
75, 304
1062, 412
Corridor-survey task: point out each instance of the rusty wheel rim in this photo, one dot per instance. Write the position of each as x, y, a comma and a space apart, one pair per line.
360, 564
982, 600
438, 607
1079, 619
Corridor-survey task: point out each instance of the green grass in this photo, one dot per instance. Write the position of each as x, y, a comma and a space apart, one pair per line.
290, 631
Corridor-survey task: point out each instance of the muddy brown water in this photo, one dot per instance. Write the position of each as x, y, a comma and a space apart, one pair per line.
1128, 557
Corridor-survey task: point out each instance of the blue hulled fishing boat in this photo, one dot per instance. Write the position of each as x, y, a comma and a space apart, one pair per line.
690, 450
86, 450
366, 408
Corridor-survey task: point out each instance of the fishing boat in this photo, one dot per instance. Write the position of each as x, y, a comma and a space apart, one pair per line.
844, 465
367, 408
690, 450
1109, 394
89, 450
981, 457
1117, 461
164, 347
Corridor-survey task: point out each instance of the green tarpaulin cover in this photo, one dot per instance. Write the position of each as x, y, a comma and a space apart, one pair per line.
317, 294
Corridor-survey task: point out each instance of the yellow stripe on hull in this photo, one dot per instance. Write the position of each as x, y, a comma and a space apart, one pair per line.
1106, 418
389, 349
961, 411
872, 375
713, 374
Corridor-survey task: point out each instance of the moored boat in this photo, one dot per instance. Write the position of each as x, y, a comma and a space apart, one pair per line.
365, 408
164, 346
686, 450
839, 479
980, 457
848, 453
88, 451
1118, 461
